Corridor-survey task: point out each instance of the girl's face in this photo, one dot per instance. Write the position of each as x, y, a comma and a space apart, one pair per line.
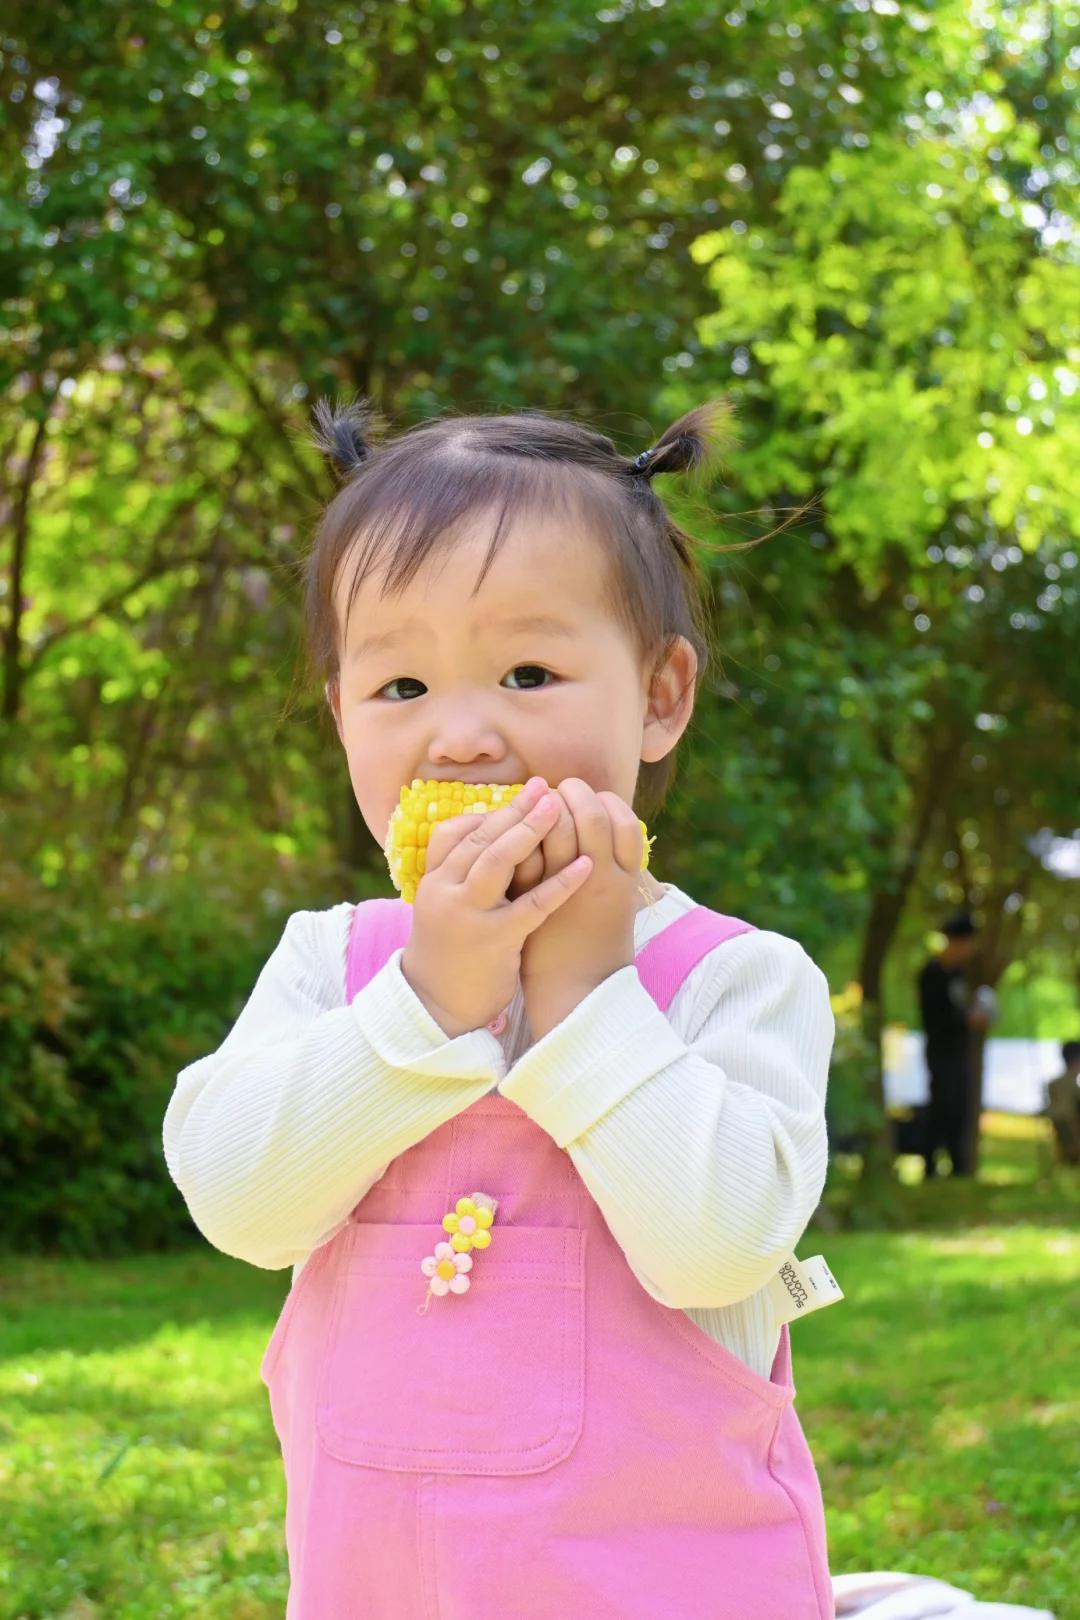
530, 674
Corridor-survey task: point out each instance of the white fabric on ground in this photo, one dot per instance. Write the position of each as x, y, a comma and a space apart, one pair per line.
896, 1595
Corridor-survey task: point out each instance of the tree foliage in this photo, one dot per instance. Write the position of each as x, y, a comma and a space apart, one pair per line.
853, 219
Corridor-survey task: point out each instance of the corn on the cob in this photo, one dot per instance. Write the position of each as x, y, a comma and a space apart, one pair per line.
423, 804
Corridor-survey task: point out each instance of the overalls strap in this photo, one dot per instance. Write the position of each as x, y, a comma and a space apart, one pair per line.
381, 927
666, 960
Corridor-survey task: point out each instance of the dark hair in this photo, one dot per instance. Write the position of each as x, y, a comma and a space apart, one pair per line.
399, 500
960, 926
1070, 1052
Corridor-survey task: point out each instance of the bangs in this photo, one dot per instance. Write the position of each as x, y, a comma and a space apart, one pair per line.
391, 521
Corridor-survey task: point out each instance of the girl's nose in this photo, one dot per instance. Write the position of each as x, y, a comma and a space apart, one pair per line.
464, 736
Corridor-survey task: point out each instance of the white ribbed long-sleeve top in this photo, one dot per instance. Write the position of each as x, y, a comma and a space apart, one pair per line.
699, 1132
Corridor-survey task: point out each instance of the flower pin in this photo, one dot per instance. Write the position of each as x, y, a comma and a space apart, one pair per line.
469, 1227
447, 1272
469, 1222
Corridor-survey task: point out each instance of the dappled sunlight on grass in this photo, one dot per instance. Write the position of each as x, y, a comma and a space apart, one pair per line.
139, 1473
140, 1476
940, 1402
1018, 1179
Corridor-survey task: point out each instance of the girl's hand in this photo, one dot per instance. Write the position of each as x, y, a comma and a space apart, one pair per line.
464, 954
592, 935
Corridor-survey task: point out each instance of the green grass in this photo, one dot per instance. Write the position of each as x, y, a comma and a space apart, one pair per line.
942, 1402
1017, 1181
139, 1473
140, 1479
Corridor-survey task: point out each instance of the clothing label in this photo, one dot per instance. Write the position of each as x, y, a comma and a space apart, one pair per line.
802, 1286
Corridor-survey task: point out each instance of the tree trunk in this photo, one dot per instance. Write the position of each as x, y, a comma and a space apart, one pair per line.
10, 698
973, 1112
886, 908
886, 911
1000, 940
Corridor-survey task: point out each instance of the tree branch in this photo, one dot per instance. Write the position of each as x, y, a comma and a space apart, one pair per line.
157, 568
274, 417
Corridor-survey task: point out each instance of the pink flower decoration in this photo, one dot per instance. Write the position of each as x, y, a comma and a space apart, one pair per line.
446, 1270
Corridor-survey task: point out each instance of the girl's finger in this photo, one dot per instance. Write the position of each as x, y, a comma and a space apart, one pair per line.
625, 831
591, 820
560, 846
490, 863
535, 907
447, 836
528, 874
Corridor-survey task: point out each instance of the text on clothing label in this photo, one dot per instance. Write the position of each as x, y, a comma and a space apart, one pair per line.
802, 1286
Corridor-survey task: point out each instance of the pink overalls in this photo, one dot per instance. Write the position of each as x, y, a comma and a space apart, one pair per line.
551, 1445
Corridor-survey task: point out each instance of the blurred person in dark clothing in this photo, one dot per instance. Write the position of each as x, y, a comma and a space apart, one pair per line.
949, 1014
1063, 1104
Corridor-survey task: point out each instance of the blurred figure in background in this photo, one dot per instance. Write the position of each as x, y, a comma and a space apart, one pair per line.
949, 1013
1063, 1104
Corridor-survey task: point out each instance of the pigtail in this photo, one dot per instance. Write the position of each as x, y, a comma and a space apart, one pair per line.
343, 432
692, 444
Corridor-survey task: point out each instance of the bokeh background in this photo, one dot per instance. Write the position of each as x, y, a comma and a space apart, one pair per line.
856, 220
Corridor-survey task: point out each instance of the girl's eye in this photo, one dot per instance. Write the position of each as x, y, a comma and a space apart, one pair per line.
524, 677
403, 687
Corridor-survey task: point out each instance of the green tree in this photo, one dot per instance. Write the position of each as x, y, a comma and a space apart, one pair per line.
209, 217
905, 337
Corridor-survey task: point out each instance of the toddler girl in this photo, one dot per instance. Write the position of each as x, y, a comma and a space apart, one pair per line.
537, 1144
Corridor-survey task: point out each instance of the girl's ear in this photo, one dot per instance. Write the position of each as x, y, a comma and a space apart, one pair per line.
669, 701
333, 698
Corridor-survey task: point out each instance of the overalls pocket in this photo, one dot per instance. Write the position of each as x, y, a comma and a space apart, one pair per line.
487, 1382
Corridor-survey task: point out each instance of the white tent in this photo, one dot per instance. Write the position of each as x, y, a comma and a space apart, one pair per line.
1015, 1072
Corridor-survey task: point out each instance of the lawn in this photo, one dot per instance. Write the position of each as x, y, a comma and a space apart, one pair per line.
139, 1476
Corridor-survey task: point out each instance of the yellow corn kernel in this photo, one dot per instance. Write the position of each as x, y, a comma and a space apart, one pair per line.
422, 805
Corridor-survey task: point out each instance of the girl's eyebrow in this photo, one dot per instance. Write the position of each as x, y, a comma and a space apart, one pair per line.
375, 644
536, 622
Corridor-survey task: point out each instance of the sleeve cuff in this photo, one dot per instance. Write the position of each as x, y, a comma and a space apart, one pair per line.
402, 1032
610, 1044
